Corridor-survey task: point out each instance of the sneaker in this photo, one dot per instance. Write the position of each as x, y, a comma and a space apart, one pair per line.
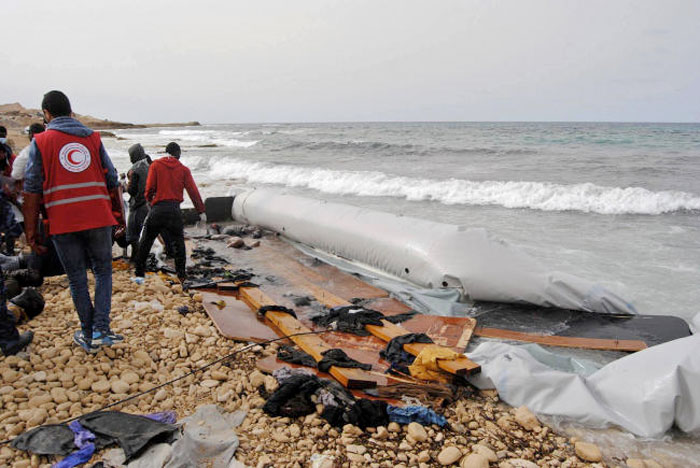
107, 339
79, 339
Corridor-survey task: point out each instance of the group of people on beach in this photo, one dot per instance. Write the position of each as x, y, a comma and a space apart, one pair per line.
71, 199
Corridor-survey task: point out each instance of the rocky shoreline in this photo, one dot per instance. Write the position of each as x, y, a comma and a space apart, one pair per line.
16, 118
56, 381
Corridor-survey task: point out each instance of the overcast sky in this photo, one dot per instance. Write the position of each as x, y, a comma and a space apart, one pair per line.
324, 60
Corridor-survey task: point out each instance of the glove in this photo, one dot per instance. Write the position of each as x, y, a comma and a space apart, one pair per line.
203, 218
30, 211
115, 196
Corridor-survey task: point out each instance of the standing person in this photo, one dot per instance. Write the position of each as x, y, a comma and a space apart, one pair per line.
11, 341
20, 163
7, 157
69, 165
167, 179
138, 207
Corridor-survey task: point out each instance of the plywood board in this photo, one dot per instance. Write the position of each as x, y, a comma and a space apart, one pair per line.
235, 320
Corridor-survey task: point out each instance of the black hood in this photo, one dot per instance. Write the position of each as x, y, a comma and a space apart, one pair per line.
137, 153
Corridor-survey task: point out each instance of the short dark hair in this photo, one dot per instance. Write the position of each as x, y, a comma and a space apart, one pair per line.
173, 149
56, 103
34, 129
3, 131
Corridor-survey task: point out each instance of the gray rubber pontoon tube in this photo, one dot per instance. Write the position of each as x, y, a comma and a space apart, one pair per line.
426, 253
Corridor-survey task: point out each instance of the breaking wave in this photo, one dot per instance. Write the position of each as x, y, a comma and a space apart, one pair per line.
361, 146
586, 197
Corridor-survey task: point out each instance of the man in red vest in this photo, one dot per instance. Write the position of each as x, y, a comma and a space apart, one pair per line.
70, 172
167, 179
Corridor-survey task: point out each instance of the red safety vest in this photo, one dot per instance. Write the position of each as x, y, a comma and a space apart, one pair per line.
75, 192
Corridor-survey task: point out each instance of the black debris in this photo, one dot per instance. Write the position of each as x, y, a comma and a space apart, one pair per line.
52, 439
363, 413
337, 357
275, 308
295, 356
395, 354
133, 433
293, 397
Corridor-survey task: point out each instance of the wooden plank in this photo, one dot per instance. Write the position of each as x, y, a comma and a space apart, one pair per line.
311, 344
461, 366
327, 276
235, 320
562, 341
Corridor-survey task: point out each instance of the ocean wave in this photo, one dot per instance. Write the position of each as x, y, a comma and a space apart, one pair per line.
362, 146
586, 197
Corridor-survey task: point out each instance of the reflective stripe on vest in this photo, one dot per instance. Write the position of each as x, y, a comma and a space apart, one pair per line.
76, 200
74, 186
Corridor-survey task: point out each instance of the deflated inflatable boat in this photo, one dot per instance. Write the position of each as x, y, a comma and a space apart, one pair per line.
429, 254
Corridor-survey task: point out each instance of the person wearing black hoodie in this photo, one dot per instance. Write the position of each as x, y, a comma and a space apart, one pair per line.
138, 207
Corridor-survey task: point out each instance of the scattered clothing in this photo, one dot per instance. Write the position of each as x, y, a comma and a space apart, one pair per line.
420, 414
337, 357
293, 397
284, 373
295, 356
395, 354
353, 319
51, 439
363, 413
133, 433
425, 366
84, 440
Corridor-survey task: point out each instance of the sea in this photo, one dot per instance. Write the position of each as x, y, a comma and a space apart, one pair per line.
617, 203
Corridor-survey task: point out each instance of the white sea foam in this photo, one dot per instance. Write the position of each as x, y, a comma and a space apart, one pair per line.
201, 137
544, 196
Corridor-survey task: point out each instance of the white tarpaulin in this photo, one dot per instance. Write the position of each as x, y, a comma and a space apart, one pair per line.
426, 253
645, 393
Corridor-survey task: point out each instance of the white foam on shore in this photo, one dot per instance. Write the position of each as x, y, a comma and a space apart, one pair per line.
202, 137
586, 197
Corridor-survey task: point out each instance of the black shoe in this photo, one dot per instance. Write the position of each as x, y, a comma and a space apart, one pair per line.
27, 277
24, 340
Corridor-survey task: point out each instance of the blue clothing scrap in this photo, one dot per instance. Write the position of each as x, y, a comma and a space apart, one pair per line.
419, 414
86, 448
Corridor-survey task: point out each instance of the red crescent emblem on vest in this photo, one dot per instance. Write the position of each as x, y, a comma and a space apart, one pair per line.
70, 157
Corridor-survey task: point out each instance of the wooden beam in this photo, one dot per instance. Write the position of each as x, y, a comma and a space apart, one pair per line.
562, 341
311, 344
461, 366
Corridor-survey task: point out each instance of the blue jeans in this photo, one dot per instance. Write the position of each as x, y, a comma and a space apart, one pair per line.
78, 251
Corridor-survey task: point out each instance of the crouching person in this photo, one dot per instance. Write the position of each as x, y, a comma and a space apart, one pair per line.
70, 172
11, 341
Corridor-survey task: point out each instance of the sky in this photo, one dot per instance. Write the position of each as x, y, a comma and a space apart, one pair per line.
379, 60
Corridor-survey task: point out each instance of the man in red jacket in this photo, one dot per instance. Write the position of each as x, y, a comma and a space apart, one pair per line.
167, 179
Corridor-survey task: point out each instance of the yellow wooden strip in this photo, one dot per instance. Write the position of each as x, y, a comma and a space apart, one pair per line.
311, 344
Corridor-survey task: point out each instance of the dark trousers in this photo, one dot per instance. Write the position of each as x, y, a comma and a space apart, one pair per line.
8, 331
134, 223
164, 218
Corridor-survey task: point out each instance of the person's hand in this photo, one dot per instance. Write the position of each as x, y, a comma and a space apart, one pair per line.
120, 231
203, 218
38, 248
